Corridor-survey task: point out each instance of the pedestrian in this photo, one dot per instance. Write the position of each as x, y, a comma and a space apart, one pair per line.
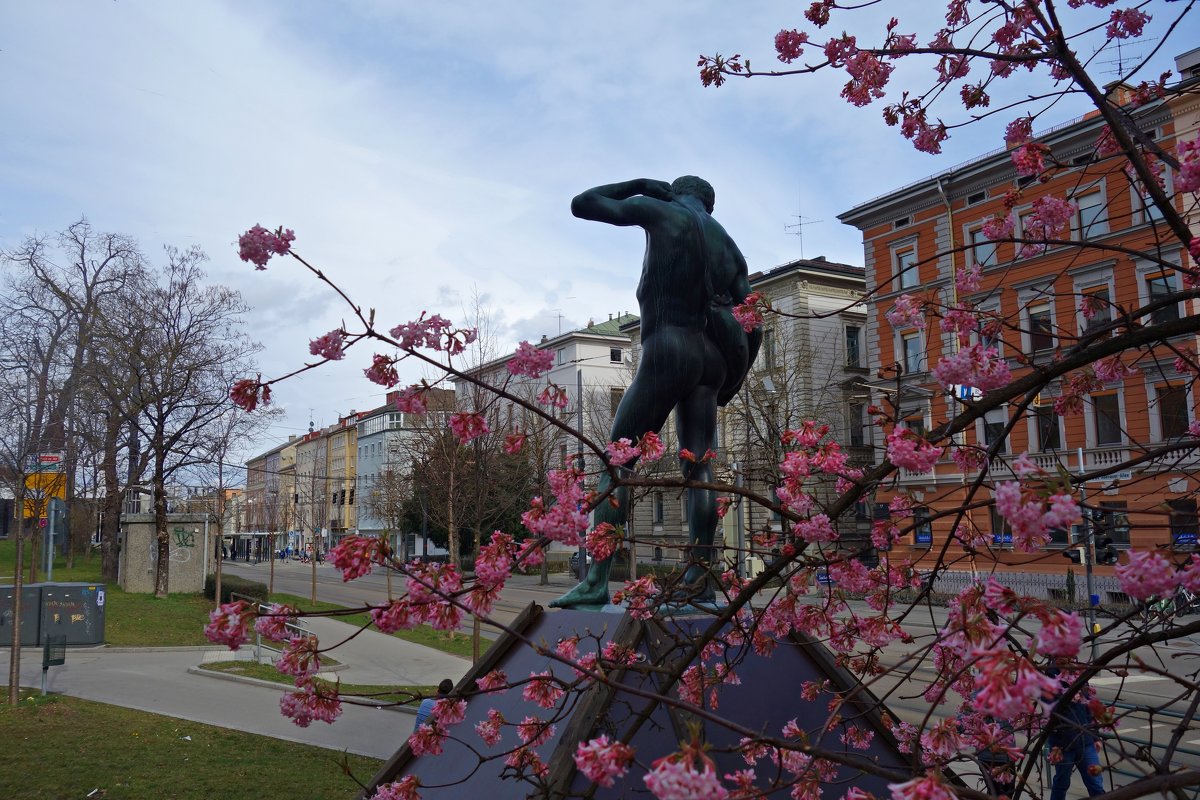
426, 707
1074, 743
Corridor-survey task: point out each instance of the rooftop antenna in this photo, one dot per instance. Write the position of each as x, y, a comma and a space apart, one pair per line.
797, 229
1125, 52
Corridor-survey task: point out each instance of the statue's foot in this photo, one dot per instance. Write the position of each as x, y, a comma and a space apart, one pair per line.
589, 592
696, 586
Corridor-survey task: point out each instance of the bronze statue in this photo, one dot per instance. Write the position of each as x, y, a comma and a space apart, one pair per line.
694, 354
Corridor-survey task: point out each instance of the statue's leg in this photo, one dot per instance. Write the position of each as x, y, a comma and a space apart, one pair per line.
696, 418
644, 407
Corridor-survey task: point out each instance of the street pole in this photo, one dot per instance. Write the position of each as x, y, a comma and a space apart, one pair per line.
1089, 554
583, 567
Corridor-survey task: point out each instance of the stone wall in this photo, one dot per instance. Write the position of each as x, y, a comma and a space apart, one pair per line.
139, 552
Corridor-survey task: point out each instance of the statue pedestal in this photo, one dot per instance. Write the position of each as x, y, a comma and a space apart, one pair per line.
767, 698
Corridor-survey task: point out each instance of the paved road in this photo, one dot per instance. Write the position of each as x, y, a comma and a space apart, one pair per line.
161, 680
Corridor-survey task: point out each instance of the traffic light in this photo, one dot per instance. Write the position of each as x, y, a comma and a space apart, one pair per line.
1074, 554
1106, 553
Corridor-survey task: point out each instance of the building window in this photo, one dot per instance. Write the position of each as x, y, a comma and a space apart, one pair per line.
768, 348
1093, 217
1172, 402
1099, 303
907, 275
614, 355
657, 506
854, 417
1001, 530
1106, 419
994, 423
910, 347
922, 527
1114, 521
853, 346
915, 422
560, 355
1185, 522
614, 399
1046, 426
1159, 288
984, 250
1041, 327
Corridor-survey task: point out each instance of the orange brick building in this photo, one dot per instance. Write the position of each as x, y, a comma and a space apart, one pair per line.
918, 237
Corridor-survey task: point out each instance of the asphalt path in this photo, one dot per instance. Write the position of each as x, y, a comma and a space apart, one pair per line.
159, 680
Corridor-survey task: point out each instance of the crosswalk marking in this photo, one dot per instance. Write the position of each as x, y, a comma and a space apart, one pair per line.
1117, 680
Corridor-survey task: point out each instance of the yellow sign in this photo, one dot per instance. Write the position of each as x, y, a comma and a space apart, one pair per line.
40, 488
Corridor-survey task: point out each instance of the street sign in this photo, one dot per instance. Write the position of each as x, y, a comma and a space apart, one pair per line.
44, 462
963, 392
1123, 475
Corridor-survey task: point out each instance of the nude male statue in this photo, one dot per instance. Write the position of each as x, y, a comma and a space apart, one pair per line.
694, 355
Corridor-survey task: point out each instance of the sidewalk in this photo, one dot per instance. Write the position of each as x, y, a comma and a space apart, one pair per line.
166, 681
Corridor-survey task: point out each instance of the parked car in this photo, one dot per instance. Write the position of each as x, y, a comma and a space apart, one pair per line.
575, 562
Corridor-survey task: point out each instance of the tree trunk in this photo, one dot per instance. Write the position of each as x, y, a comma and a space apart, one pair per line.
162, 540
110, 515
451, 528
14, 658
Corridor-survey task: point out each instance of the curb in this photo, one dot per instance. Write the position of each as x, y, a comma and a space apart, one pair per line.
283, 687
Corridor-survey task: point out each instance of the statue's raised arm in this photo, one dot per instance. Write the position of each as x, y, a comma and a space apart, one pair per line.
635, 202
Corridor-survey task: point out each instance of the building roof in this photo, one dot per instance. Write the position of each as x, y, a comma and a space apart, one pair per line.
819, 266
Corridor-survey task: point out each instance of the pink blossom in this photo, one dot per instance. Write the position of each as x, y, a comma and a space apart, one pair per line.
354, 555
513, 443
640, 597
489, 729
257, 245
411, 400
307, 704
681, 780
1030, 159
1147, 575
449, 711
1126, 24
603, 540
602, 761
533, 731
530, 361
1050, 219
1187, 179
1061, 634
1189, 575
383, 372
930, 787
970, 279
331, 345
975, 366
816, 529
468, 426
494, 681
272, 624
1110, 369
999, 227
621, 452
1009, 684
227, 624
531, 554
403, 789
398, 615
427, 739
1019, 131
1194, 428
651, 447
909, 451
299, 657
789, 46
868, 77
555, 396
906, 312
542, 689
750, 311
244, 393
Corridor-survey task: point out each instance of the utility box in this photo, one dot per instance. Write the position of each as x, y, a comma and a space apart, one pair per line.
71, 610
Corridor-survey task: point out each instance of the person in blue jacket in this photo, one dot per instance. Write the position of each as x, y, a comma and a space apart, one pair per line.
426, 707
1073, 734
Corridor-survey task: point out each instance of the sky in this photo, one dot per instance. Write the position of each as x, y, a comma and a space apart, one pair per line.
426, 154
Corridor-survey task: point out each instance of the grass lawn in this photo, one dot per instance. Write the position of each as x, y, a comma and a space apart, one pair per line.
143, 620
64, 748
266, 672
